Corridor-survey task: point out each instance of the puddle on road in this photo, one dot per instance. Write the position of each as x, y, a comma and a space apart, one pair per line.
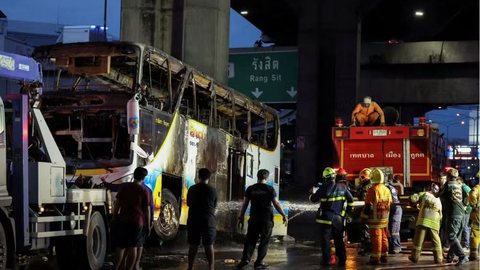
171, 260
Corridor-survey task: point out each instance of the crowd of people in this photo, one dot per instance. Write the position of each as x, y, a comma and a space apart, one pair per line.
446, 208
382, 213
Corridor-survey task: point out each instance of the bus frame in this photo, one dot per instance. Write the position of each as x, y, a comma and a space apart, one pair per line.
194, 122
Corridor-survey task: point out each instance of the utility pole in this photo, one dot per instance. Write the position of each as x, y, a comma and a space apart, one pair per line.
105, 20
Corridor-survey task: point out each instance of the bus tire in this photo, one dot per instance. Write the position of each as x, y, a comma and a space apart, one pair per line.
96, 241
3, 248
167, 223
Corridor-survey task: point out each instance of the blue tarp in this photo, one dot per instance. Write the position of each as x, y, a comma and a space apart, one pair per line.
19, 67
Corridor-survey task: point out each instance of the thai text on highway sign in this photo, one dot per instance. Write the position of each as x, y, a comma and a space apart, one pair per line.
265, 75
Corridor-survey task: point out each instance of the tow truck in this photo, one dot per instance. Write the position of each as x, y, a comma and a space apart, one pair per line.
38, 210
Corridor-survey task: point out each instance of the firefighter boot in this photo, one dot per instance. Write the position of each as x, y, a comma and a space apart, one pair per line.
474, 243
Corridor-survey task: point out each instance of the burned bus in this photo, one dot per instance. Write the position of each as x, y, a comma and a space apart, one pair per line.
114, 106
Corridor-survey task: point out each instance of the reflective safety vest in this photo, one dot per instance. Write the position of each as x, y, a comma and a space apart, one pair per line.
430, 213
378, 201
332, 197
474, 202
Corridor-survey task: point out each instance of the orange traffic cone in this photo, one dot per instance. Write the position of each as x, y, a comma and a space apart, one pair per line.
333, 258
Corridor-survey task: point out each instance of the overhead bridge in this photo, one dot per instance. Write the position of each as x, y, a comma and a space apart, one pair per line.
420, 72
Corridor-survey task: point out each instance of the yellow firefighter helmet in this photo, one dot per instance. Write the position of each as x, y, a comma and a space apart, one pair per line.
365, 174
329, 173
377, 176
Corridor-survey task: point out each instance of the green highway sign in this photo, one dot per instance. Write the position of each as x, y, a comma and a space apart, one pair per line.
265, 75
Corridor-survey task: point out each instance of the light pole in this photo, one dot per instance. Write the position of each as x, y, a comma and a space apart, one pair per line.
105, 20
475, 127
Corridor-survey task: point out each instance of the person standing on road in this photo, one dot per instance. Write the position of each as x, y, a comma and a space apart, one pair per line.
131, 220
365, 241
428, 222
466, 227
377, 210
474, 202
443, 224
202, 201
454, 196
395, 220
330, 216
261, 196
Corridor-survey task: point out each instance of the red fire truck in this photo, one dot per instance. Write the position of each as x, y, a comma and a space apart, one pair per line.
416, 153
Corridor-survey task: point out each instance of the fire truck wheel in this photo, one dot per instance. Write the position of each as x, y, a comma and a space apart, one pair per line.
167, 223
3, 248
96, 241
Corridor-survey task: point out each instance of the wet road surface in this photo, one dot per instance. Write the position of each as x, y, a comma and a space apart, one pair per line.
304, 256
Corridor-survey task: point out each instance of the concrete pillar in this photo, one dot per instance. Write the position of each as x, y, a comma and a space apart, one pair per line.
195, 31
206, 36
329, 45
148, 22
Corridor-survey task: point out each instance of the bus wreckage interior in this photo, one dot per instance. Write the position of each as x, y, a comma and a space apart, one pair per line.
87, 87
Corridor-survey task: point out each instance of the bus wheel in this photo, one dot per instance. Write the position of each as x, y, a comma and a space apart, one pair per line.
3, 248
167, 223
96, 241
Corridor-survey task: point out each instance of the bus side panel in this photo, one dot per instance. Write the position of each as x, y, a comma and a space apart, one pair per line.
206, 148
168, 159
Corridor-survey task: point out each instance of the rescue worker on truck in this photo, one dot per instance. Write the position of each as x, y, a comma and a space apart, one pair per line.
395, 219
428, 222
365, 242
474, 202
367, 113
330, 215
454, 196
377, 210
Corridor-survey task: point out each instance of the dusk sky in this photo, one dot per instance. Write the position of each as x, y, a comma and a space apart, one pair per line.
90, 12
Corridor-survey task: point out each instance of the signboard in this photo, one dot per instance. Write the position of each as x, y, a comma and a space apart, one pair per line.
266, 76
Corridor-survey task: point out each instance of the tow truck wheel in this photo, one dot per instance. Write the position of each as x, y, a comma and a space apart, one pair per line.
167, 223
96, 242
3, 248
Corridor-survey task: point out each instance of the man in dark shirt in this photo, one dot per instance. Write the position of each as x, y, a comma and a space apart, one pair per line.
260, 223
131, 219
202, 201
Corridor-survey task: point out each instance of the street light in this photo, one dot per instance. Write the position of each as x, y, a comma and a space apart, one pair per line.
475, 136
475, 127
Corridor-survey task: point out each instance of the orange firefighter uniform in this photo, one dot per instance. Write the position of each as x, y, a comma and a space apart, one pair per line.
367, 113
377, 208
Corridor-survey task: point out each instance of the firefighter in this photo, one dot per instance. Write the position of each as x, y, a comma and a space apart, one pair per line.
474, 202
428, 222
395, 220
365, 243
377, 209
330, 215
342, 178
367, 113
454, 196
443, 225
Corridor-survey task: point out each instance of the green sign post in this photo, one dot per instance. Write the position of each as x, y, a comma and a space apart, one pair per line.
267, 76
